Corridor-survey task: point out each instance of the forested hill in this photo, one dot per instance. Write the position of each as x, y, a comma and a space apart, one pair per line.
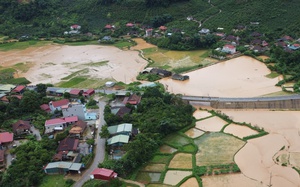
52, 17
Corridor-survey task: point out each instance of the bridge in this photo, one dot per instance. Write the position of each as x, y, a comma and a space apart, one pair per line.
277, 102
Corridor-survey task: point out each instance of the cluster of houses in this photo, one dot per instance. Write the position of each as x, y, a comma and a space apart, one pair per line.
288, 43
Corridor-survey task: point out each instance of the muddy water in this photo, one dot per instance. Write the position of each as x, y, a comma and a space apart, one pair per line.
199, 114
194, 133
257, 158
213, 124
191, 182
231, 180
173, 177
239, 130
181, 160
239, 77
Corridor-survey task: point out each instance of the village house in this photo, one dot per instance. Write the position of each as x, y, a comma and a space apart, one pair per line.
149, 32
19, 89
103, 174
294, 46
6, 138
6, 88
21, 127
68, 144
56, 105
78, 129
74, 93
132, 99
88, 93
180, 77
157, 71
118, 140
129, 24
78, 110
62, 168
204, 31
6, 99
124, 128
229, 49
45, 108
162, 28
59, 124
120, 110
108, 26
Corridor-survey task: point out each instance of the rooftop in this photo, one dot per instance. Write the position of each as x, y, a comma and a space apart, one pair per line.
6, 137
59, 103
118, 139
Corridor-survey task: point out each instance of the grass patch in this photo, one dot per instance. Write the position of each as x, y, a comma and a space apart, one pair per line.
53, 180
148, 51
163, 159
72, 82
7, 70
79, 43
189, 148
123, 44
96, 64
176, 140
272, 75
22, 45
74, 74
20, 80
216, 149
23, 66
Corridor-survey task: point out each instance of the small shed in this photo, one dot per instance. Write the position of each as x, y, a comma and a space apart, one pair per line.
109, 84
103, 174
180, 77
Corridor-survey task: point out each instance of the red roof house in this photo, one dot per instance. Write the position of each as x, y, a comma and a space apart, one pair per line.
108, 26
163, 28
21, 127
103, 174
19, 89
45, 107
75, 27
89, 92
56, 105
132, 99
75, 92
129, 25
6, 137
59, 123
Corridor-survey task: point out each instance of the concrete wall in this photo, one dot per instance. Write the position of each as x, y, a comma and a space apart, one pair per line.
285, 104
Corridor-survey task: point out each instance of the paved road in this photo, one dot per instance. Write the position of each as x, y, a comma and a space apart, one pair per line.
36, 132
99, 149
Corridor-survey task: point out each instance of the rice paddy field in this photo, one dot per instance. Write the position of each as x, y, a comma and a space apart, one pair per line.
193, 156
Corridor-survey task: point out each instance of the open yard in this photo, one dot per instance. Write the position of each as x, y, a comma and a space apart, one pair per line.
53, 180
216, 149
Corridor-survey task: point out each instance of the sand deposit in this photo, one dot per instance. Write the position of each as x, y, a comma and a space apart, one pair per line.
199, 114
213, 124
239, 130
173, 177
53, 62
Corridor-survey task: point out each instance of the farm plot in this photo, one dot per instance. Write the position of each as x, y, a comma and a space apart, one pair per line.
216, 149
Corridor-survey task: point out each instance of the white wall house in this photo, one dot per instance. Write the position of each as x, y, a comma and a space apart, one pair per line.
78, 110
229, 49
58, 124
56, 105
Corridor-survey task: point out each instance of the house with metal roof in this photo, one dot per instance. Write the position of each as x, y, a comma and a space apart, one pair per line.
125, 129
118, 140
57, 124
62, 167
6, 88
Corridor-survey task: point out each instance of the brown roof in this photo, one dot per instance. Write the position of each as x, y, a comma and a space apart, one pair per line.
132, 99
78, 127
45, 107
75, 91
60, 103
23, 125
57, 157
68, 144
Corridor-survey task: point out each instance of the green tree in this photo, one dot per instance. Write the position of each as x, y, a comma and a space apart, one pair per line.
104, 132
30, 101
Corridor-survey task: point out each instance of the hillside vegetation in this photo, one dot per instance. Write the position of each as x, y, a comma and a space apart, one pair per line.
52, 17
